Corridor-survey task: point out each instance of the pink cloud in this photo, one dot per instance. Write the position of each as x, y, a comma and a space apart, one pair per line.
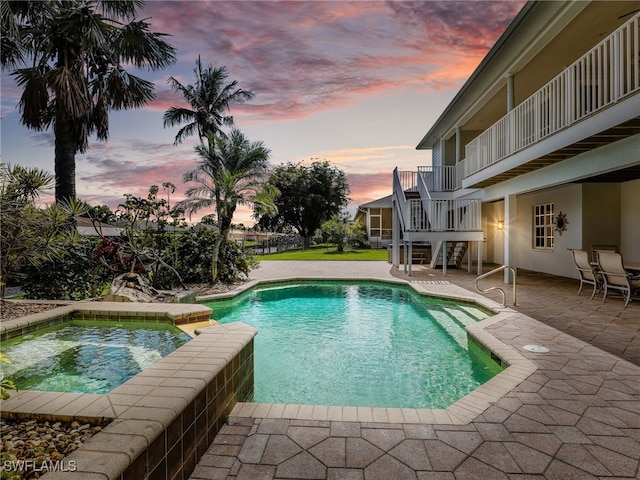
366, 187
300, 58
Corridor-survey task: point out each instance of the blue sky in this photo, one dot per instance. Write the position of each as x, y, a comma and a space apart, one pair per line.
356, 83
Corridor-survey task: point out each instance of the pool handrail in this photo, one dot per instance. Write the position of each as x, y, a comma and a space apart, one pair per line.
504, 295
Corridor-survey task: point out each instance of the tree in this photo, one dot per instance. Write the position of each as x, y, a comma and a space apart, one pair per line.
230, 173
77, 51
309, 195
209, 98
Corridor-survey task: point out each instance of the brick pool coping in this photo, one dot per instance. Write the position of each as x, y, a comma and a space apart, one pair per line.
516, 367
176, 313
163, 419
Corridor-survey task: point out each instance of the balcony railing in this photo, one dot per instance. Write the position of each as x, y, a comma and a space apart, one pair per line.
602, 77
443, 215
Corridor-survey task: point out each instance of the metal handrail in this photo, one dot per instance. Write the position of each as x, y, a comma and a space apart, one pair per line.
504, 295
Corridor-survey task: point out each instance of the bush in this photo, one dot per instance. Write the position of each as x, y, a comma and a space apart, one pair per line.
72, 276
237, 263
195, 253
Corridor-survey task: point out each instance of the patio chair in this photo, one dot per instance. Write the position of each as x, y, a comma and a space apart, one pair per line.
587, 271
596, 248
615, 276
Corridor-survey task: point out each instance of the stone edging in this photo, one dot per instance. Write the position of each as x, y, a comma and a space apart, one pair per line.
462, 412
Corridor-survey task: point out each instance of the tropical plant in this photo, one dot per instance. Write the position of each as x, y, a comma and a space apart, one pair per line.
309, 195
357, 236
31, 235
5, 383
230, 173
76, 53
337, 230
77, 275
209, 99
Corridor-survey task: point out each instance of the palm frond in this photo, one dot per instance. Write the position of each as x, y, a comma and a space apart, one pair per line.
136, 44
177, 115
34, 99
127, 91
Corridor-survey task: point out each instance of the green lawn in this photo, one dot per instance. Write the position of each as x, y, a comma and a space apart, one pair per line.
326, 252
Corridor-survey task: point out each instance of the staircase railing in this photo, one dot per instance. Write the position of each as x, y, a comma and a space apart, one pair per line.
401, 200
504, 295
440, 178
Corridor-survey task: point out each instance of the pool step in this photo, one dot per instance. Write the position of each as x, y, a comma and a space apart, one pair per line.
454, 321
455, 330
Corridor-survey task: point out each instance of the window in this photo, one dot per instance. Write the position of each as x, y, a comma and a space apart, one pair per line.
375, 218
543, 226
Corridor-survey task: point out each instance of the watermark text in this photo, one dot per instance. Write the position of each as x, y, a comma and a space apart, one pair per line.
39, 466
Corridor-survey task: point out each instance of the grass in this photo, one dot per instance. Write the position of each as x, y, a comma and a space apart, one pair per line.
327, 252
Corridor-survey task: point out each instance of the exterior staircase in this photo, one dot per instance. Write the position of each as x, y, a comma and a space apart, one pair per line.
430, 213
455, 253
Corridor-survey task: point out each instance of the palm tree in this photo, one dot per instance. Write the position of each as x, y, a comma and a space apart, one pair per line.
209, 99
76, 52
230, 173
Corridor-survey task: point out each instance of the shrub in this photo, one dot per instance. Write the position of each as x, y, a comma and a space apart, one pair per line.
71, 276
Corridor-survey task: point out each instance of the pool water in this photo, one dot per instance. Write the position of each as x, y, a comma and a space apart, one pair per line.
359, 345
87, 356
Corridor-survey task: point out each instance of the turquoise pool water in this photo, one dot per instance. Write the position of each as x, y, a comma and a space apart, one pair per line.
87, 356
359, 345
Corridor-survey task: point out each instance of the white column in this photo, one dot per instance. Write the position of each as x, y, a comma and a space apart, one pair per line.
509, 235
510, 93
444, 258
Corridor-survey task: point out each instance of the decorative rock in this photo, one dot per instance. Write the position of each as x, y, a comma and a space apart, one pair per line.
133, 288
41, 441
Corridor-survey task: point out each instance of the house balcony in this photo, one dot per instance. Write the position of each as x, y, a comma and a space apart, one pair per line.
593, 102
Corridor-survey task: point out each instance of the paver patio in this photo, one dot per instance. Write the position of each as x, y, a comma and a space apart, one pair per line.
576, 417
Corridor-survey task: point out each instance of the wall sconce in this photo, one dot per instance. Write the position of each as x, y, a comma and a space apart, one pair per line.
500, 225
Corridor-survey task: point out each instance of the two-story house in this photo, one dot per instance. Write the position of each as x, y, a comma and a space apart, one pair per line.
539, 151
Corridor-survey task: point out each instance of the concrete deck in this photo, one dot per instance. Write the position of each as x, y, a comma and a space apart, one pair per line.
576, 417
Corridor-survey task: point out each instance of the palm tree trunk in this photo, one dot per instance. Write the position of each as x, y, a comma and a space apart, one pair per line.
214, 259
220, 245
65, 162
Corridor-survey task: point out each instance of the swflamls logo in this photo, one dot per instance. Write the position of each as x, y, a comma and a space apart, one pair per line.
39, 466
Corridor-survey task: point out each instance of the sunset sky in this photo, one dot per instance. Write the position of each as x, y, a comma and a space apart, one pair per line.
356, 83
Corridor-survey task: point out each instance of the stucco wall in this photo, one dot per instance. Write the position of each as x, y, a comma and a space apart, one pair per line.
598, 213
493, 248
558, 260
630, 219
601, 215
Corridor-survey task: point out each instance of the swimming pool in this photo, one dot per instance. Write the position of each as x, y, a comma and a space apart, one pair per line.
365, 344
87, 356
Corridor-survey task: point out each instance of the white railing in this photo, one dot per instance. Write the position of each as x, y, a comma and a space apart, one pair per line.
604, 75
440, 178
407, 181
443, 215
399, 196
